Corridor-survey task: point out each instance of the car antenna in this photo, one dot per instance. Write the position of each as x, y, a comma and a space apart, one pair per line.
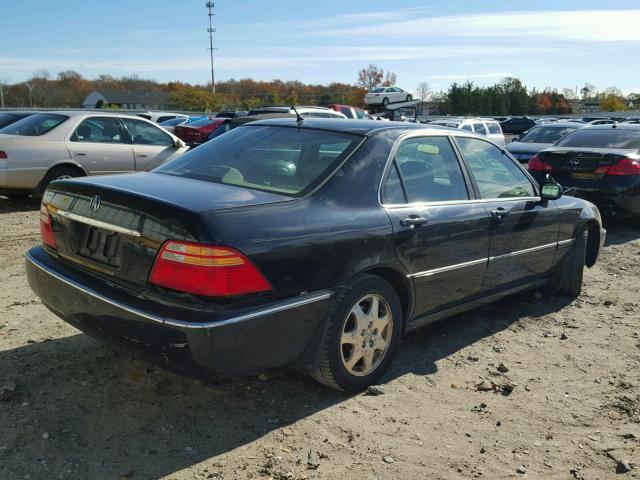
299, 117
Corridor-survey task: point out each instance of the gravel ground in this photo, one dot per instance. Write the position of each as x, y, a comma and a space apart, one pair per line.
70, 408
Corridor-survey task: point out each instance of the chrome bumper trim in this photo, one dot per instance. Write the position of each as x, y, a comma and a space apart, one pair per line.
260, 312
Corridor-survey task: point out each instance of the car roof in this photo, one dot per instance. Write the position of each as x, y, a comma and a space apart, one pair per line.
358, 127
615, 126
559, 125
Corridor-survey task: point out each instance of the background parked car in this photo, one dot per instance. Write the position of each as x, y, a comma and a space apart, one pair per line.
231, 114
159, 117
517, 124
538, 138
197, 132
305, 111
47, 146
488, 127
7, 118
170, 125
231, 123
352, 112
386, 95
601, 162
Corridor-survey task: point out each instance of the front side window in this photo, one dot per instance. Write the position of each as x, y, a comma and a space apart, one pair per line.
288, 161
143, 133
346, 111
467, 127
496, 175
35, 125
360, 114
494, 128
164, 119
430, 170
99, 130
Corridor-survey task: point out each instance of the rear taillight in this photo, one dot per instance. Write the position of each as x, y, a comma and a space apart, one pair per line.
206, 270
46, 228
3, 155
537, 165
626, 166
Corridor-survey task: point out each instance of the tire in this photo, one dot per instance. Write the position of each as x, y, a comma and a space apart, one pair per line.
350, 360
58, 173
385, 102
409, 98
567, 281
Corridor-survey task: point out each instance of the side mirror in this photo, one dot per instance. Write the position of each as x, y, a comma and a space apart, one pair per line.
515, 139
179, 143
550, 191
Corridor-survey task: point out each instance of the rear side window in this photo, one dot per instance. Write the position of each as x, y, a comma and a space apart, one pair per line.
143, 133
288, 161
360, 113
467, 127
430, 170
164, 119
494, 128
346, 111
6, 119
479, 128
99, 130
496, 175
35, 125
599, 138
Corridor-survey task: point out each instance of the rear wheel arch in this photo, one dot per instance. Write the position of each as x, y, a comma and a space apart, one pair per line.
401, 285
81, 172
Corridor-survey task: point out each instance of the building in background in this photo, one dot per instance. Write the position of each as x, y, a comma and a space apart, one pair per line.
127, 100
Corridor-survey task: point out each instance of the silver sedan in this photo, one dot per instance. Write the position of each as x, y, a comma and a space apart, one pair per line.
49, 146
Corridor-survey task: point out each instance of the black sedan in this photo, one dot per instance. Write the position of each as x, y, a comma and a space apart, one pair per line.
315, 244
516, 125
602, 163
538, 138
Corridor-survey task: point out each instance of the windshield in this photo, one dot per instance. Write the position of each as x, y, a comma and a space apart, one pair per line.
546, 134
602, 138
288, 161
34, 125
173, 122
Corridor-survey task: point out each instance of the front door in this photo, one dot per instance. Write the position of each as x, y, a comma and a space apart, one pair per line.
524, 229
99, 145
440, 237
151, 146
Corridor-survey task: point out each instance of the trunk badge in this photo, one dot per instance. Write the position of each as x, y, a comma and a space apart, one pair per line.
95, 203
574, 161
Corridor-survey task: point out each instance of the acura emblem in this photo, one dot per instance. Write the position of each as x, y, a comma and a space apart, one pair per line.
95, 203
574, 161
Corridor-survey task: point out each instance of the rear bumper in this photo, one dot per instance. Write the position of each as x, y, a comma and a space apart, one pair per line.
615, 193
227, 344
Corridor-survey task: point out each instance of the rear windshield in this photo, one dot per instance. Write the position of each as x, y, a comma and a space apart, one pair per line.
546, 134
34, 125
201, 123
6, 119
602, 138
288, 161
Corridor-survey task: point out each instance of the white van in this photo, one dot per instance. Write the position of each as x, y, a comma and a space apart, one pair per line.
483, 126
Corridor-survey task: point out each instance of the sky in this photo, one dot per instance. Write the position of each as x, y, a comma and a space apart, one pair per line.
544, 43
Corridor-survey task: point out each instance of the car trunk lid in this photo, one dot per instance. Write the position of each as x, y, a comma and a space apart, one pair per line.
115, 225
581, 163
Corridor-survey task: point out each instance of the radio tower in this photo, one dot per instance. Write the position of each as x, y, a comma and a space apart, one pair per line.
211, 30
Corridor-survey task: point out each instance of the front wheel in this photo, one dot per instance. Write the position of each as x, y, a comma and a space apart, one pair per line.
362, 335
385, 102
409, 98
567, 280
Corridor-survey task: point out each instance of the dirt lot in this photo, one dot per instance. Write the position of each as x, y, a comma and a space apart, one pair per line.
70, 408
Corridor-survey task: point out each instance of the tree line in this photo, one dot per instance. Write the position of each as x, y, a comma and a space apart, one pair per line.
507, 97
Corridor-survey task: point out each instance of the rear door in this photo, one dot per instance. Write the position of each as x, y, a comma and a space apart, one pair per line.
524, 229
100, 145
151, 146
440, 236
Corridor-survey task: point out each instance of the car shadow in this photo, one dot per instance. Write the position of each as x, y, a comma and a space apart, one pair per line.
85, 411
12, 205
621, 230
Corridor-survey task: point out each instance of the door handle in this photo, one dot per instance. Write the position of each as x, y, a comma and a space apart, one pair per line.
79, 154
499, 213
141, 155
413, 221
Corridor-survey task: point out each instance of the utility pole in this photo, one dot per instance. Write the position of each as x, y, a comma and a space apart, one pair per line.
211, 30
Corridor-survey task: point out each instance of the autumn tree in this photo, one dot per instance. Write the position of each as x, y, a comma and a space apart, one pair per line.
611, 103
372, 77
192, 99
